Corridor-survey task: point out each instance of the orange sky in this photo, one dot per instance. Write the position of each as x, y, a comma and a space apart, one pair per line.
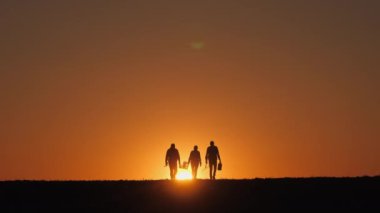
99, 89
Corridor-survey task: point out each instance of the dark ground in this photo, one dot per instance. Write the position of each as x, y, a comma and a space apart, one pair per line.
260, 195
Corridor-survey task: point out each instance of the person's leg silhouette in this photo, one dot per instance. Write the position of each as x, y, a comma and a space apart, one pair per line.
194, 169
173, 171
214, 172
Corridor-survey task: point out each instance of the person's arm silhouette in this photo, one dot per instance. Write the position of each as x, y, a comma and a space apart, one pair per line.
206, 158
167, 158
179, 159
199, 158
220, 161
189, 161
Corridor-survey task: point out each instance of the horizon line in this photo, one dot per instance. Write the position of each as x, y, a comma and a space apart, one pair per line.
202, 179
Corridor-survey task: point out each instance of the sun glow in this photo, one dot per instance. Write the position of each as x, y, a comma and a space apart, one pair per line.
184, 175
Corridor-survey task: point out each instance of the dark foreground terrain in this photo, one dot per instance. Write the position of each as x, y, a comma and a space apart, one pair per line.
260, 195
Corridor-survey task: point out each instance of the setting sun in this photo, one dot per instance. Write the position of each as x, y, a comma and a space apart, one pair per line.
184, 175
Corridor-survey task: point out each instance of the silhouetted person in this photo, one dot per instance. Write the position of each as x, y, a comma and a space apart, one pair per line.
212, 155
195, 161
172, 157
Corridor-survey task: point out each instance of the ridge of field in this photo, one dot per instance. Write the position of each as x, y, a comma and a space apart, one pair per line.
265, 195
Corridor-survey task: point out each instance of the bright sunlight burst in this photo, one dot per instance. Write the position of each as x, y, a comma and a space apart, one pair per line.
184, 175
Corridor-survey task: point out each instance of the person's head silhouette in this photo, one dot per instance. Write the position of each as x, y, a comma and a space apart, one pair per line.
172, 146
195, 147
212, 143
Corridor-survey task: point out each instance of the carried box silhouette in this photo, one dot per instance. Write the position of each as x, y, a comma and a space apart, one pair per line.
185, 165
219, 166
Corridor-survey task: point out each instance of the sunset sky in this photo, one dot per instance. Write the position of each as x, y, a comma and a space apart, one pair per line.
100, 89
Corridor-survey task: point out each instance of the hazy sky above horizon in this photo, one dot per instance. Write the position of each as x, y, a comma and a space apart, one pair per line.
99, 89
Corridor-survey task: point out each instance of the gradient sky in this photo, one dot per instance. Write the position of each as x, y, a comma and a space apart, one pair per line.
99, 89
